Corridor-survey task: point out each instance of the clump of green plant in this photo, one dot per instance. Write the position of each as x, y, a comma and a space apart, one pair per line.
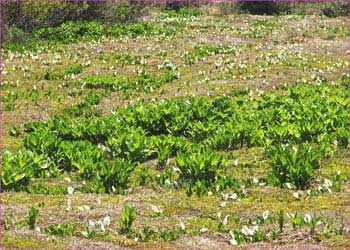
20, 167
50, 75
14, 131
143, 82
13, 175
246, 234
71, 32
127, 218
171, 234
199, 170
337, 180
148, 234
292, 164
84, 108
198, 166
132, 145
296, 220
32, 215
180, 13
61, 230
281, 220
76, 69
312, 221
144, 176
164, 150
111, 177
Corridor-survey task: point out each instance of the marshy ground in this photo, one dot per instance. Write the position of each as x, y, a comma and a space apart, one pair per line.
258, 54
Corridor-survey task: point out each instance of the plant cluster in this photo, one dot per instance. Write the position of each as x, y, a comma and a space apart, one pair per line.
144, 82
145, 131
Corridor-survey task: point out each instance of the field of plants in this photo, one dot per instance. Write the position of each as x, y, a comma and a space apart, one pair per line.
185, 130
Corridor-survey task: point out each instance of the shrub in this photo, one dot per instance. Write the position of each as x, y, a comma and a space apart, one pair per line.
178, 6
12, 34
336, 9
31, 16
114, 12
263, 7
227, 8
180, 13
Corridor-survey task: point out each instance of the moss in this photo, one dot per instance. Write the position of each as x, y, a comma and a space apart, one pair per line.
15, 242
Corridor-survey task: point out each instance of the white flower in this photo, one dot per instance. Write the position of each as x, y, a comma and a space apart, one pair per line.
255, 180
234, 196
223, 204
296, 195
84, 208
156, 209
290, 215
67, 179
106, 220
37, 229
136, 239
182, 225
102, 226
224, 196
327, 183
91, 225
203, 230
289, 186
85, 234
69, 205
245, 230
235, 162
70, 190
225, 220
307, 218
266, 214
233, 242
232, 234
